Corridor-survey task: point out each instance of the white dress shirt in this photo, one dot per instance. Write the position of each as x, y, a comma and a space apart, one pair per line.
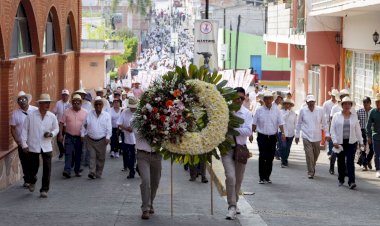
245, 129
60, 108
336, 129
125, 120
327, 106
97, 127
311, 124
17, 120
142, 143
267, 120
34, 129
114, 117
87, 105
290, 119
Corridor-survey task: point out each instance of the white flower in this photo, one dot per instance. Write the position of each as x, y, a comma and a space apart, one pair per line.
149, 107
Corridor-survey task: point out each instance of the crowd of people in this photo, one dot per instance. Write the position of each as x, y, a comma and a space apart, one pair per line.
160, 52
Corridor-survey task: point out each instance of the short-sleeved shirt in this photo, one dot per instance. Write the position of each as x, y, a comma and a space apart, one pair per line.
17, 120
125, 120
73, 121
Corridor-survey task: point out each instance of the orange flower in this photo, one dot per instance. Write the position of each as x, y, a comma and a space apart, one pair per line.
177, 93
169, 103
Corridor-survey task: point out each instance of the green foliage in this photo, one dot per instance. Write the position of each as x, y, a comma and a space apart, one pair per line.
140, 6
114, 5
89, 13
113, 75
130, 52
98, 33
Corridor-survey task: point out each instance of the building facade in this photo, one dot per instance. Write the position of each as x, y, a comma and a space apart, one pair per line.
39, 53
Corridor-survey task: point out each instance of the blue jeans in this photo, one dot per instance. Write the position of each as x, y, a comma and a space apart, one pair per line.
376, 148
129, 158
73, 149
346, 160
285, 149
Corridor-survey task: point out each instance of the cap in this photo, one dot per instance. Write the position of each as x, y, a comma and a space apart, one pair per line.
65, 91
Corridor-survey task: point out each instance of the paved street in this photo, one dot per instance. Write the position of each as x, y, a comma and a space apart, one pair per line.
293, 199
112, 200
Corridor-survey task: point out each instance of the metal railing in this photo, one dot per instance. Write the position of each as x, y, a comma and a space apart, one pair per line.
102, 44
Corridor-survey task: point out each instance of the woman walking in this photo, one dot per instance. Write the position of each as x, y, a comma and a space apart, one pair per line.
290, 119
345, 133
115, 114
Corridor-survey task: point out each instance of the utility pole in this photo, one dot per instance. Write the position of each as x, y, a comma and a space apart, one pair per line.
237, 41
224, 35
206, 13
229, 49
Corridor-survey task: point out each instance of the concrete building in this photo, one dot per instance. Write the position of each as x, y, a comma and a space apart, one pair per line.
358, 24
250, 48
39, 53
310, 44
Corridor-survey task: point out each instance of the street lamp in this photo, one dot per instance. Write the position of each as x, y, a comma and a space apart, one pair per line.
375, 37
338, 39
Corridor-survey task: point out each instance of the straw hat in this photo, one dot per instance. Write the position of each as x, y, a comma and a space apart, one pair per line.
334, 92
132, 102
99, 89
310, 98
288, 101
377, 97
98, 99
44, 97
80, 91
76, 97
347, 100
23, 94
268, 94
344, 92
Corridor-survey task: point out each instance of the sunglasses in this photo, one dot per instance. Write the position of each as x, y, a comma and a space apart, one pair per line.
76, 102
22, 100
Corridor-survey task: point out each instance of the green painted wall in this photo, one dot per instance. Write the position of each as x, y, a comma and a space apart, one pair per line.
253, 45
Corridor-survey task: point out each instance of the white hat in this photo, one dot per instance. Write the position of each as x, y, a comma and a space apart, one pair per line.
310, 98
344, 92
347, 100
268, 94
99, 89
44, 97
23, 94
65, 91
132, 102
98, 98
76, 97
80, 91
377, 97
334, 92
288, 101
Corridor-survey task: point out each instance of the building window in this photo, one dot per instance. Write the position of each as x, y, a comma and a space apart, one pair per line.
21, 44
362, 76
68, 38
49, 41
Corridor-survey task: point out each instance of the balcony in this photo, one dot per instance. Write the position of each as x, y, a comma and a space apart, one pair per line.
107, 47
280, 25
342, 7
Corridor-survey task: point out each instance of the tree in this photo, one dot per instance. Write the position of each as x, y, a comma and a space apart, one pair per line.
114, 5
140, 6
130, 51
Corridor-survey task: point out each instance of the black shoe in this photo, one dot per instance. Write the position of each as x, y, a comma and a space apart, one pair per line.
310, 177
130, 176
340, 184
369, 165
60, 156
268, 181
66, 174
352, 186
192, 178
261, 182
78, 174
80, 170
91, 176
204, 180
331, 172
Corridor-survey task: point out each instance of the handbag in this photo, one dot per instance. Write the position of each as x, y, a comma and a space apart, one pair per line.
241, 153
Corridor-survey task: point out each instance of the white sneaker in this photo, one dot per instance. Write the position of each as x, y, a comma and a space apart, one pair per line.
231, 215
378, 174
112, 154
117, 155
237, 210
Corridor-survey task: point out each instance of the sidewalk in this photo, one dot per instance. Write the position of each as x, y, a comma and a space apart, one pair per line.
112, 200
293, 199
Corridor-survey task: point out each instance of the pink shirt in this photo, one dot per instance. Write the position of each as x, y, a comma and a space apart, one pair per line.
137, 92
73, 121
